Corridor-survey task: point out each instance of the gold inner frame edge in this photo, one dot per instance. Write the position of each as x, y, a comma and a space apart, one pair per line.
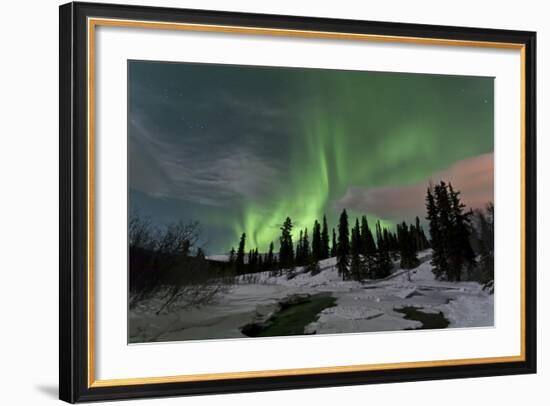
92, 23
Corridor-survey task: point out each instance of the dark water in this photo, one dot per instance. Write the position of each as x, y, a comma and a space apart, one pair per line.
428, 320
291, 319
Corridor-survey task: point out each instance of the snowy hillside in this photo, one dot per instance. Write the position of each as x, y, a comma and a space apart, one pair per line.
407, 299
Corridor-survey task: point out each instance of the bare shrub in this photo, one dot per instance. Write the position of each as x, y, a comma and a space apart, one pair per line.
165, 263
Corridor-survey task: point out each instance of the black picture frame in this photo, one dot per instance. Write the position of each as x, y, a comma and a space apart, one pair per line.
74, 385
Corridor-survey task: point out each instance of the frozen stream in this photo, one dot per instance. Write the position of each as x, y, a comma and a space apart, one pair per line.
400, 302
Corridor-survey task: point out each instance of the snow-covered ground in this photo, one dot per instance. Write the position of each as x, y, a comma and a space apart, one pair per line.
360, 307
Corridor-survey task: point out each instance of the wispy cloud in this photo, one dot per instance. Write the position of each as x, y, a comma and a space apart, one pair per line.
474, 177
205, 175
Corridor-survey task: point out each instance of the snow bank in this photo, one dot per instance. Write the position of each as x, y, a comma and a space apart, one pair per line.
360, 307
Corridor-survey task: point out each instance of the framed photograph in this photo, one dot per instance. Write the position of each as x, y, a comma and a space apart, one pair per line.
257, 202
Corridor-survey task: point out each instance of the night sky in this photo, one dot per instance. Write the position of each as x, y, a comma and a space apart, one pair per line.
240, 148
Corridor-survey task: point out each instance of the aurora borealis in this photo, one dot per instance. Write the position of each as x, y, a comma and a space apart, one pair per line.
240, 148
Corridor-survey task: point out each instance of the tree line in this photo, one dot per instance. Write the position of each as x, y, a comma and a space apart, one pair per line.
360, 253
170, 260
459, 236
462, 243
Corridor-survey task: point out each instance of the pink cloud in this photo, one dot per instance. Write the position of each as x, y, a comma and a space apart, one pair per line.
473, 177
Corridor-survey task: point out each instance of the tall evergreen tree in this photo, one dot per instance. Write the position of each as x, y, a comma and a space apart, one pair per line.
334, 244
239, 259
407, 246
306, 252
419, 236
368, 246
445, 228
343, 248
299, 260
486, 244
438, 216
269, 258
450, 231
232, 254
253, 260
312, 260
356, 265
379, 235
302, 249
368, 249
316, 241
383, 264
438, 261
460, 251
286, 251
387, 238
325, 239
393, 246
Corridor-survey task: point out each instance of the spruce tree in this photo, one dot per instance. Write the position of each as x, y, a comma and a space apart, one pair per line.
363, 236
239, 259
232, 254
286, 251
407, 246
486, 244
316, 241
450, 231
312, 262
253, 260
299, 250
388, 243
368, 249
413, 245
401, 243
394, 242
445, 225
269, 258
379, 237
356, 269
382, 242
383, 264
417, 235
325, 239
342, 249
306, 252
334, 244
461, 254
367, 240
439, 259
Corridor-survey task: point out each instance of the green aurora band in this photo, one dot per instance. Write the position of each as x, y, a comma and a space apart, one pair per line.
349, 128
